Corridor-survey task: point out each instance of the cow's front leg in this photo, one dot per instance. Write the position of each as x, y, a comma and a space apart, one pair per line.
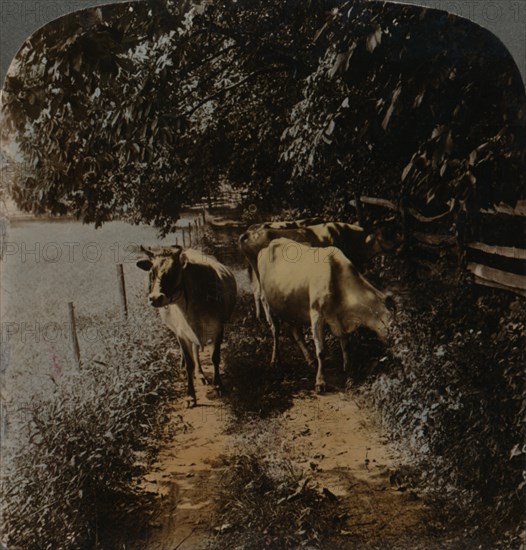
266, 309
216, 359
256, 291
182, 364
189, 362
317, 333
345, 345
197, 360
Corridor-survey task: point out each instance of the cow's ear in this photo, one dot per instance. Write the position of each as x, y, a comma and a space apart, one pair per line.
146, 265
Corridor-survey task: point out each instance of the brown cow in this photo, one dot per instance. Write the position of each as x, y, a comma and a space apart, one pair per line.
195, 295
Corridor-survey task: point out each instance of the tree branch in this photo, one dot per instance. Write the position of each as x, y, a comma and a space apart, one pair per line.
233, 86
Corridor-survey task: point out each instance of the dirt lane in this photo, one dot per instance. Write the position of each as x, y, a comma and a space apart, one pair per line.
187, 474
334, 439
329, 438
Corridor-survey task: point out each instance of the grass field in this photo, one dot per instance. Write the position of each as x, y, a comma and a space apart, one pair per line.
46, 265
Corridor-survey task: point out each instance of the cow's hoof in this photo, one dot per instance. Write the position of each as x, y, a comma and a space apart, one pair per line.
191, 403
205, 380
321, 388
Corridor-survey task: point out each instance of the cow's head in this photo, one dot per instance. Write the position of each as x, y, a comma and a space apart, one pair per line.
383, 240
166, 267
252, 241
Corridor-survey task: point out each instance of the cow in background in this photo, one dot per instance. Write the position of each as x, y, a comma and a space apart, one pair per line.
351, 239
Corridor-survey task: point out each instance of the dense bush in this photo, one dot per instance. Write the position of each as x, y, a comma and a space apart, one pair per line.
455, 391
76, 465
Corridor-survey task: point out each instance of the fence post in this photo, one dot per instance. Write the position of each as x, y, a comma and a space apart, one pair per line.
189, 233
184, 240
196, 223
73, 330
122, 290
203, 212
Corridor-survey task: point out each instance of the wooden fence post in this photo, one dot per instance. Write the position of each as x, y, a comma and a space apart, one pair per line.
359, 209
184, 240
203, 212
189, 233
122, 290
73, 330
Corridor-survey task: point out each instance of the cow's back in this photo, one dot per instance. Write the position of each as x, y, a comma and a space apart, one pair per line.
292, 276
349, 238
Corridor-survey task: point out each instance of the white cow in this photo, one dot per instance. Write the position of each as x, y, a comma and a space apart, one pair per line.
320, 286
357, 245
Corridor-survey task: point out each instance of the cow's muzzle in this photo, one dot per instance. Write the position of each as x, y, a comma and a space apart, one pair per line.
158, 300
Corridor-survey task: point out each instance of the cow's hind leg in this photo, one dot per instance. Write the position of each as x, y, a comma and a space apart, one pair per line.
317, 333
190, 367
301, 344
275, 328
195, 353
216, 359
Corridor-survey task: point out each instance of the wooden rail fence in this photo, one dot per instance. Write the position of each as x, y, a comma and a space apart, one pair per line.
495, 254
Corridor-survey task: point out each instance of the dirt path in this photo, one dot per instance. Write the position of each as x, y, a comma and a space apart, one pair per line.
331, 436
327, 437
186, 474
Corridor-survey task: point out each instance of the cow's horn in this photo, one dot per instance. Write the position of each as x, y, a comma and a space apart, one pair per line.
147, 251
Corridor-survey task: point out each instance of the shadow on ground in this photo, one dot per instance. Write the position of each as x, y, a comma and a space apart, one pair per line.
256, 389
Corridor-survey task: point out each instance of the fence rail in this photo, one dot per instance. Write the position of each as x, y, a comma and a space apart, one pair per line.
496, 264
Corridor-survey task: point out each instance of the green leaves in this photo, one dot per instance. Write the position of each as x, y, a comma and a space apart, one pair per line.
89, 443
269, 97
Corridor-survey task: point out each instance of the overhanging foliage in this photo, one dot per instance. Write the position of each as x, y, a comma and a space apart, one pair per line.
133, 110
